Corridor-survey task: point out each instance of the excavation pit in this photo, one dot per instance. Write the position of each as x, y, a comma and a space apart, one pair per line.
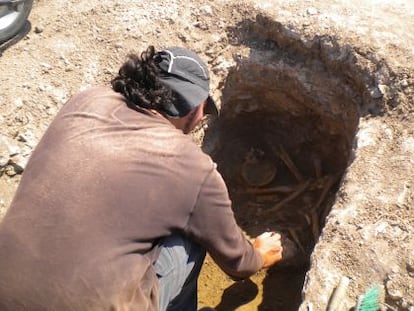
282, 143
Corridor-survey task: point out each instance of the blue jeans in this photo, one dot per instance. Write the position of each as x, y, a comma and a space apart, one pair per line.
177, 267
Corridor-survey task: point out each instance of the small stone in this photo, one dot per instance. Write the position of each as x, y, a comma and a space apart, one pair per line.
410, 265
45, 65
42, 87
7, 149
118, 45
375, 93
395, 268
9, 170
18, 103
38, 29
206, 10
311, 11
404, 83
22, 137
384, 89
182, 37
51, 111
393, 288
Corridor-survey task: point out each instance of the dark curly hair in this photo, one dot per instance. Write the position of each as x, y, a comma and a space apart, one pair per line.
138, 81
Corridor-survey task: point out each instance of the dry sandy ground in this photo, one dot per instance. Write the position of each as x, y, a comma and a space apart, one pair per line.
340, 69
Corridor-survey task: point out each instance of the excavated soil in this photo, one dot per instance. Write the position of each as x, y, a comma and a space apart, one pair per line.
314, 140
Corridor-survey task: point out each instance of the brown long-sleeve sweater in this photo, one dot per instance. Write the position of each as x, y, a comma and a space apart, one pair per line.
104, 184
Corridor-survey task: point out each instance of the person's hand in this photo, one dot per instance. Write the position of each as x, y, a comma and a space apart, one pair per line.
268, 244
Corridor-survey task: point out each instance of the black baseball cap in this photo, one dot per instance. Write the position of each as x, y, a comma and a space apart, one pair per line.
185, 73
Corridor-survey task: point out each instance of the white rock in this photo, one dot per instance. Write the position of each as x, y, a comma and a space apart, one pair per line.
384, 89
206, 10
311, 11
18, 102
7, 150
375, 93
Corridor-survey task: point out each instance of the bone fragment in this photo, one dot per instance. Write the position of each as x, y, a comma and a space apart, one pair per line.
289, 198
326, 187
284, 156
278, 189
